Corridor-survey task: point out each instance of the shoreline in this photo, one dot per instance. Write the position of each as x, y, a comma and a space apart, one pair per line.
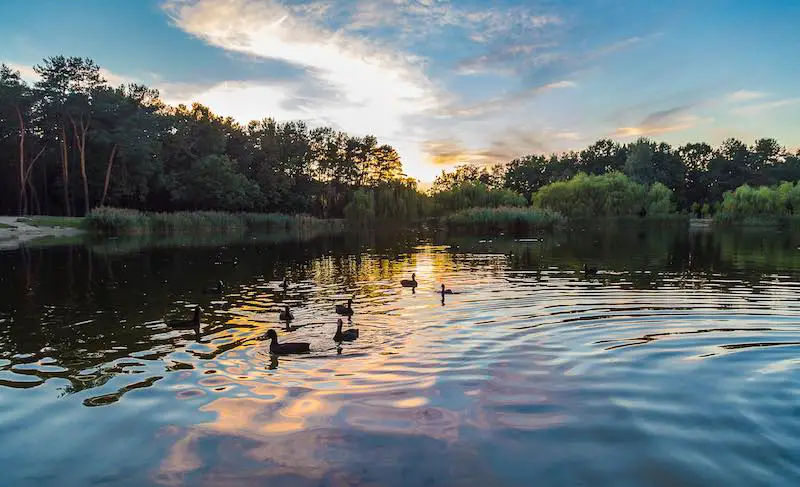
14, 232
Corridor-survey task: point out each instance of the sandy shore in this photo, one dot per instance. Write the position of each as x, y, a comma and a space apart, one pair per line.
13, 232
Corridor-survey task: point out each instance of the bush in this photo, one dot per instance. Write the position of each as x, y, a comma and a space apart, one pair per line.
760, 206
606, 195
474, 194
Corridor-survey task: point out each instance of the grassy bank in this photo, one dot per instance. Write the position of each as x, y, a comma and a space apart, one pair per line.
53, 221
509, 219
114, 221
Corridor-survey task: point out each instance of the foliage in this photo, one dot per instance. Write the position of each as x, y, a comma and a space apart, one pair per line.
508, 218
606, 195
71, 143
761, 205
473, 194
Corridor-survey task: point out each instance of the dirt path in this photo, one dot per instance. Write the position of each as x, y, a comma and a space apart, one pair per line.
14, 232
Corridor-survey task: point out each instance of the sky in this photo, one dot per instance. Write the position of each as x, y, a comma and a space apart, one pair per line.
447, 81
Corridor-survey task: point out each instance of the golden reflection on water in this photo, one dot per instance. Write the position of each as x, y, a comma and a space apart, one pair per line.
516, 368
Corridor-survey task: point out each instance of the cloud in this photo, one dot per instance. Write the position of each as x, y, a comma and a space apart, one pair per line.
26, 72
29, 74
346, 82
767, 106
420, 18
661, 122
503, 149
745, 95
499, 103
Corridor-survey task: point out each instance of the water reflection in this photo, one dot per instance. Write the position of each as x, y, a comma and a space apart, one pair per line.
676, 361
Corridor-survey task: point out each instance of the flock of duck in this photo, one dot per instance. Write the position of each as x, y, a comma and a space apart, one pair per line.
286, 315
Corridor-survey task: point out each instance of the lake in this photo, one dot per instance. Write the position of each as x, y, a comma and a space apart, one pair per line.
676, 365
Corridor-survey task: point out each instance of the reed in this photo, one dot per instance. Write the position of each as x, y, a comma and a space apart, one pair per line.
507, 218
115, 221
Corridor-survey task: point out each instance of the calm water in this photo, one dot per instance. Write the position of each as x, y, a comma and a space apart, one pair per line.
676, 365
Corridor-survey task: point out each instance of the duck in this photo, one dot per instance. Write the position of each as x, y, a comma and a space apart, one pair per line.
285, 283
589, 271
286, 314
409, 283
446, 291
192, 324
285, 348
344, 336
345, 310
218, 289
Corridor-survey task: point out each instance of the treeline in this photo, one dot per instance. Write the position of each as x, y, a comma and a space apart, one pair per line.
697, 175
70, 143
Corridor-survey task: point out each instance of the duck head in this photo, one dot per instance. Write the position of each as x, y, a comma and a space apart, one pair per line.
271, 334
339, 324
413, 276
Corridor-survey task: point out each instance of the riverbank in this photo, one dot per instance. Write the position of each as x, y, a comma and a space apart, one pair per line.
16, 230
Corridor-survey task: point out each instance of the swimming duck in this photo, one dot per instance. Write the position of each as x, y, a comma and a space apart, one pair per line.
589, 271
446, 291
344, 336
286, 314
409, 283
345, 310
218, 289
285, 348
192, 324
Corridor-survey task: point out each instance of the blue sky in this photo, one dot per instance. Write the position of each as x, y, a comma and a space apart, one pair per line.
448, 81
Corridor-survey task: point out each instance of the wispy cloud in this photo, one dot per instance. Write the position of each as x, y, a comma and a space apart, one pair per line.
766, 106
348, 83
745, 95
510, 145
662, 122
499, 103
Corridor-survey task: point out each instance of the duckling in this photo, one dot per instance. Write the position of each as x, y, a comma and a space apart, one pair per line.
589, 271
218, 289
345, 310
344, 336
285, 348
409, 283
446, 291
192, 324
286, 314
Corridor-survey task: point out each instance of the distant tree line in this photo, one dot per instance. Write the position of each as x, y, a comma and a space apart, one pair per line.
697, 174
71, 142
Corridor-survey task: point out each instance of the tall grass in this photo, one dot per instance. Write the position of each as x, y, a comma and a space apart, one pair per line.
506, 218
115, 221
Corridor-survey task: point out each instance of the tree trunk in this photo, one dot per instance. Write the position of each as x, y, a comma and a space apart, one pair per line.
108, 174
26, 180
65, 169
80, 141
23, 202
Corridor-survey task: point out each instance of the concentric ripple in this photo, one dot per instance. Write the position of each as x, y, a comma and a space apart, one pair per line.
652, 373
